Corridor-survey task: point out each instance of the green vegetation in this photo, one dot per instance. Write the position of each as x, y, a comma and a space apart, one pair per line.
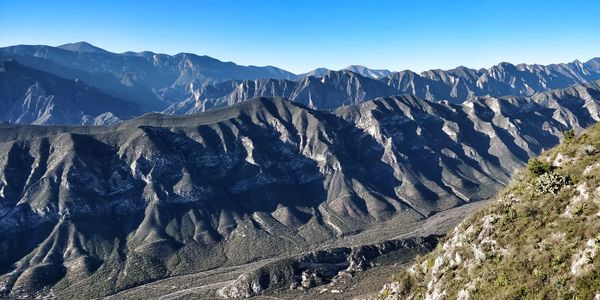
569, 135
537, 167
539, 240
551, 182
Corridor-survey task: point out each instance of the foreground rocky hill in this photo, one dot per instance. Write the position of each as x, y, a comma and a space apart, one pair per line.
95, 210
540, 238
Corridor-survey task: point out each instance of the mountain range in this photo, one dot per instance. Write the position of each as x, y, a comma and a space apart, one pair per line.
143, 175
88, 211
332, 89
187, 83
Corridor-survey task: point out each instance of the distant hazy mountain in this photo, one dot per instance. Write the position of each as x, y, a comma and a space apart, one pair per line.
319, 72
151, 80
186, 83
330, 91
35, 97
333, 89
503, 79
371, 73
81, 208
82, 47
363, 71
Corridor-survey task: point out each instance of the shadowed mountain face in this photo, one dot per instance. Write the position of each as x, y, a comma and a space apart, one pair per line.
35, 97
93, 210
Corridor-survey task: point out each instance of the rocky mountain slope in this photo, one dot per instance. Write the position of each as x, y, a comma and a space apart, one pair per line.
35, 97
95, 210
324, 89
347, 267
539, 239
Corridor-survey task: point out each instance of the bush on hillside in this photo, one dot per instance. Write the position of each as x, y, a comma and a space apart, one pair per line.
589, 150
551, 182
537, 167
569, 135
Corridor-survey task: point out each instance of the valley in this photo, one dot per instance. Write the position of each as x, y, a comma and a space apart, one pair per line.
207, 284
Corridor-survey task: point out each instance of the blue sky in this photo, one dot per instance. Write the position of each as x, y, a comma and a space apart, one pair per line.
303, 35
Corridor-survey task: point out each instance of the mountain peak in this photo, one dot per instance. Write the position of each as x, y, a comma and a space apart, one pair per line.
318, 72
81, 47
372, 73
355, 67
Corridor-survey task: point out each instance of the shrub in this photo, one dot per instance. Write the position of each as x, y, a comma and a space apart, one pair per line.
537, 167
385, 293
551, 182
589, 150
569, 135
502, 280
538, 274
580, 209
406, 283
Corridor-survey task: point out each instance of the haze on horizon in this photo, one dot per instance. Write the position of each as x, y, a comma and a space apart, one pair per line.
301, 36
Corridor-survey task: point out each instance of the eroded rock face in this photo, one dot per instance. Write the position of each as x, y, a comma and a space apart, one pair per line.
106, 208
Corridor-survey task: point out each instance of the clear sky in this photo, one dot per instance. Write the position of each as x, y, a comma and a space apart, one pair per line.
303, 35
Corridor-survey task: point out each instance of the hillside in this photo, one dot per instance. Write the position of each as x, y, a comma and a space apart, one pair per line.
539, 239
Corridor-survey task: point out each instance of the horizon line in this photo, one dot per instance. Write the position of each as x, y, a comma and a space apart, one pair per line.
303, 73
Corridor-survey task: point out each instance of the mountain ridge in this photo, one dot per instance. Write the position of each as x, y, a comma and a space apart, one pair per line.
187, 83
332, 89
